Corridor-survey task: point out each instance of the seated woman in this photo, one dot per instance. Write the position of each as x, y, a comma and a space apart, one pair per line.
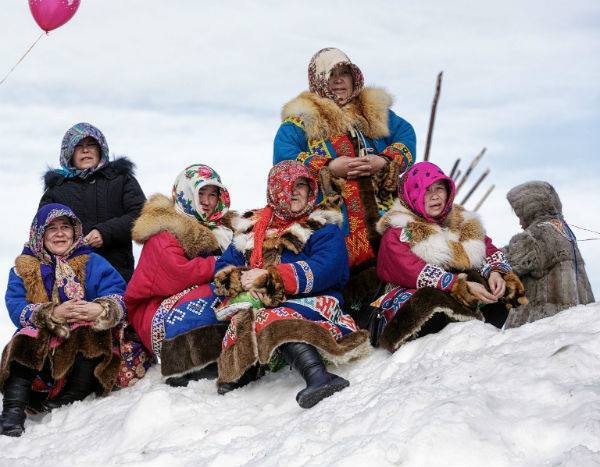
104, 194
357, 147
169, 298
293, 259
440, 261
64, 300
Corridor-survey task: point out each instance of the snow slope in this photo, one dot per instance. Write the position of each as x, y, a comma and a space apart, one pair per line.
468, 396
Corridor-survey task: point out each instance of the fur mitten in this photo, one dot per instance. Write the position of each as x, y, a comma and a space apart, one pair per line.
228, 281
111, 315
271, 286
515, 292
43, 318
460, 291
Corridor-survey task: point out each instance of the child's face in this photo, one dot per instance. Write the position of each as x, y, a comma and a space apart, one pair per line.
435, 198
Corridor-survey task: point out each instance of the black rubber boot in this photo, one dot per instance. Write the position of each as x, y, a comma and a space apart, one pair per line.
81, 382
252, 374
210, 371
17, 390
319, 382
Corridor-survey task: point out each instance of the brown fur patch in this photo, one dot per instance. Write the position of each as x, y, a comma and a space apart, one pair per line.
471, 230
228, 281
191, 351
323, 118
420, 231
460, 291
28, 351
236, 359
421, 307
515, 291
460, 260
159, 215
42, 319
331, 188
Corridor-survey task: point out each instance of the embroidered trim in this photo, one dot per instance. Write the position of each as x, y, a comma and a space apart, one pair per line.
297, 121
24, 319
398, 151
308, 276
158, 320
429, 276
495, 262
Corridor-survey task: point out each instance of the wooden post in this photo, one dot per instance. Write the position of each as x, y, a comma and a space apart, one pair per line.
457, 174
474, 162
477, 183
454, 167
487, 193
438, 87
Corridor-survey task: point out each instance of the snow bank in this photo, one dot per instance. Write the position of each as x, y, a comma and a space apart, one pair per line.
468, 396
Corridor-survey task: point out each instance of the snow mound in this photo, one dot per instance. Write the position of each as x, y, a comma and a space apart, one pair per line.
468, 396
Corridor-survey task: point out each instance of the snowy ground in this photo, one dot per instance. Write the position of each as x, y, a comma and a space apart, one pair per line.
468, 396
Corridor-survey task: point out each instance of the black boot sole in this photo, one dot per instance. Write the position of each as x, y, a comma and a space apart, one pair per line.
13, 432
306, 400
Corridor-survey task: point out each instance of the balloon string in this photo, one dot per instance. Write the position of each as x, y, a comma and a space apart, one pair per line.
21, 59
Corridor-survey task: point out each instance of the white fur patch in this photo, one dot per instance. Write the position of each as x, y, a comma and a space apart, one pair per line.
475, 250
327, 216
223, 236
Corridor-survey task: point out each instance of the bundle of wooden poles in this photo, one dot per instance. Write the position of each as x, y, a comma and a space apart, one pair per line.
456, 173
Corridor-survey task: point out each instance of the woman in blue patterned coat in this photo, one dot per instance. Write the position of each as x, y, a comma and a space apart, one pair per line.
350, 139
293, 259
65, 302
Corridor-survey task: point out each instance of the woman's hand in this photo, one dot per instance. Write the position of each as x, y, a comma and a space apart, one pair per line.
75, 311
365, 166
258, 295
249, 278
497, 284
481, 293
94, 238
340, 166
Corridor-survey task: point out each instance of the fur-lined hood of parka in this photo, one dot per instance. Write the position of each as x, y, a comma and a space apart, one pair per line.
535, 201
119, 166
457, 244
293, 238
159, 215
322, 118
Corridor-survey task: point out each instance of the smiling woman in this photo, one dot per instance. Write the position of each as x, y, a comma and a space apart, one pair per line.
104, 194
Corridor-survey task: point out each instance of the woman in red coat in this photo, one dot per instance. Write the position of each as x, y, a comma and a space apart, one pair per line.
169, 298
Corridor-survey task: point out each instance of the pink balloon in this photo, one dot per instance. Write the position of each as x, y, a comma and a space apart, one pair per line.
52, 14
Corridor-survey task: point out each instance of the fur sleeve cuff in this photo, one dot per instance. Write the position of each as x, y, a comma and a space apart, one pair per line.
43, 318
112, 314
399, 153
515, 292
228, 281
272, 286
460, 291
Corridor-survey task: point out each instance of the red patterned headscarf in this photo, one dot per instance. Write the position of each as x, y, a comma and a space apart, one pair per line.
278, 213
322, 65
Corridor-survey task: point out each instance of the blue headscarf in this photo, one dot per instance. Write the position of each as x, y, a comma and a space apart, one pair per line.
55, 270
72, 137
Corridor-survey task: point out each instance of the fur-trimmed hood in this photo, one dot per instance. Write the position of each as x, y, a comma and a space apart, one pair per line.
535, 201
457, 244
159, 215
119, 166
323, 118
293, 238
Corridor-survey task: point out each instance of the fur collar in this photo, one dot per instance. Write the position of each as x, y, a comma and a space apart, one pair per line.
293, 238
458, 244
119, 166
322, 118
159, 215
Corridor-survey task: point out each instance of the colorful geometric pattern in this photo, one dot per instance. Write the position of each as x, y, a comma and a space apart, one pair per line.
391, 302
495, 262
400, 153
158, 320
430, 276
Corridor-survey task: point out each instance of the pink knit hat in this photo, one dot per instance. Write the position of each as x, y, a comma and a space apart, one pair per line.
414, 184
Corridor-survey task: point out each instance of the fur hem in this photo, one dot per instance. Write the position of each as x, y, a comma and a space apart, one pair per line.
112, 315
348, 348
29, 351
192, 350
236, 359
42, 319
159, 215
421, 307
323, 118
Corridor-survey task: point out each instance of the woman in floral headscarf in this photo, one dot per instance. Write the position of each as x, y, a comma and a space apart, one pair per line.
357, 147
65, 301
169, 298
104, 194
439, 262
293, 260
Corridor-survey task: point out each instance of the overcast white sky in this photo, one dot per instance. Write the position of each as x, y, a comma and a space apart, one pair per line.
172, 83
